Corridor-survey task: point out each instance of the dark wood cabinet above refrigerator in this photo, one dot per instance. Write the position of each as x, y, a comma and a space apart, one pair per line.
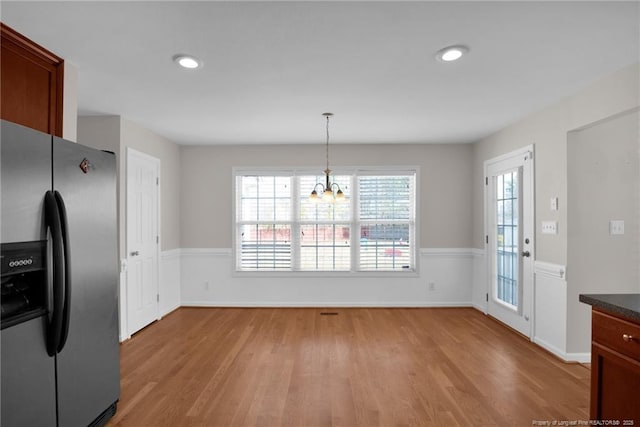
31, 83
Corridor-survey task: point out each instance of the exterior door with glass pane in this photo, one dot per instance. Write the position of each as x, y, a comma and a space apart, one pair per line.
510, 239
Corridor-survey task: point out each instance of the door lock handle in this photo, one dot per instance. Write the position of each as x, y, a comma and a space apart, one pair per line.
135, 253
526, 254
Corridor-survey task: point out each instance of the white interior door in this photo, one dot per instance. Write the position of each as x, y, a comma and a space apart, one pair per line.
510, 234
143, 250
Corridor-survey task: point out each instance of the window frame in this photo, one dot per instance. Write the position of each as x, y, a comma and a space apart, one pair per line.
355, 222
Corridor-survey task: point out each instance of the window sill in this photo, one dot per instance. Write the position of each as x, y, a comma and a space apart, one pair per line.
326, 274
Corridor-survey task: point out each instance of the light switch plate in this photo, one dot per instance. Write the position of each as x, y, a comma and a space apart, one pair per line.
549, 227
616, 227
554, 204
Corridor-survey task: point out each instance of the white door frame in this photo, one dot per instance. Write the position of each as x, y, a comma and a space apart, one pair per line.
525, 154
132, 152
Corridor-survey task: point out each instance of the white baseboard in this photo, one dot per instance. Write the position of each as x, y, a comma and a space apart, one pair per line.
567, 357
550, 348
170, 310
336, 304
579, 357
480, 308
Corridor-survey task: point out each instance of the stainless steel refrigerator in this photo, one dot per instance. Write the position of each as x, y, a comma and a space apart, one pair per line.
59, 336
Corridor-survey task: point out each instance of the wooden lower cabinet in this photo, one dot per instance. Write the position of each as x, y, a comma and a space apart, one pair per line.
615, 369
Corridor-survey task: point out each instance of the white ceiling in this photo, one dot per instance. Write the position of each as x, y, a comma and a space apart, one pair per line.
272, 68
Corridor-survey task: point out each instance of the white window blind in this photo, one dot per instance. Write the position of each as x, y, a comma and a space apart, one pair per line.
386, 219
325, 229
264, 222
278, 228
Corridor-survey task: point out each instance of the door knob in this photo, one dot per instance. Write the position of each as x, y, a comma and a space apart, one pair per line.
526, 253
135, 253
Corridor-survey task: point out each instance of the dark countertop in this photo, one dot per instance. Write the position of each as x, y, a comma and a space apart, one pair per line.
624, 305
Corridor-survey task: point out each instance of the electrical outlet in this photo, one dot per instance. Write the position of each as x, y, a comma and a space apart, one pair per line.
616, 227
432, 286
206, 285
549, 227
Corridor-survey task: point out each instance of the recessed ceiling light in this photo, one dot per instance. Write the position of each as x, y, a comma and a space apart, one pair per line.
187, 61
451, 53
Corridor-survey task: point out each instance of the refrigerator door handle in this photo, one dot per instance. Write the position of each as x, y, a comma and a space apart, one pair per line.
52, 222
64, 331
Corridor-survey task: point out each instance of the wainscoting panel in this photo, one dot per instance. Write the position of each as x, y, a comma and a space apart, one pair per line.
170, 266
479, 293
550, 308
122, 302
445, 280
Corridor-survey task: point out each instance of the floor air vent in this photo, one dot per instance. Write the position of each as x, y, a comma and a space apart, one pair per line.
328, 313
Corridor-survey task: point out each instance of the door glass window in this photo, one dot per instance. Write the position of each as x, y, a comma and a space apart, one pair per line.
507, 237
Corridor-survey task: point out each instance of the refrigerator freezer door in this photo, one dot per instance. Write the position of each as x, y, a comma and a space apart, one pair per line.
27, 373
26, 176
28, 377
88, 366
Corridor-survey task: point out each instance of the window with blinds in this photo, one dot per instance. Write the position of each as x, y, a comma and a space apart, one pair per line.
386, 219
264, 222
278, 228
325, 228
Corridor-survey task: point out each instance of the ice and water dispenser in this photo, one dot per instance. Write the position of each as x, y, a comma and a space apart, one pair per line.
24, 280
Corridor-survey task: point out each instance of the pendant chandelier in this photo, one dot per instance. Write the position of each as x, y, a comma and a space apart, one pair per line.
327, 188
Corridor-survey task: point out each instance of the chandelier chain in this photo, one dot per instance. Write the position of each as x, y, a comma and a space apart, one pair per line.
327, 187
328, 142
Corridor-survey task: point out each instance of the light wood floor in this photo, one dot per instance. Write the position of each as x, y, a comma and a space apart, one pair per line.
361, 367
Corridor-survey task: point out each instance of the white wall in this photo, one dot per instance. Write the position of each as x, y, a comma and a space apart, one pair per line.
116, 134
141, 139
70, 103
444, 216
444, 191
478, 281
548, 130
603, 184
208, 280
170, 281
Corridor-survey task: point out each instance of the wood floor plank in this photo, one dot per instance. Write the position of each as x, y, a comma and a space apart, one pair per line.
361, 367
